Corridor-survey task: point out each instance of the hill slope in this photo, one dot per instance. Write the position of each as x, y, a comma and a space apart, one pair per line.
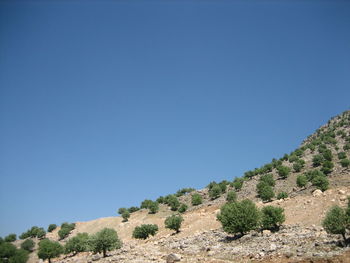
201, 238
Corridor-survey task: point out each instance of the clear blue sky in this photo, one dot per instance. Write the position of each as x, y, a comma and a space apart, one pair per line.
106, 103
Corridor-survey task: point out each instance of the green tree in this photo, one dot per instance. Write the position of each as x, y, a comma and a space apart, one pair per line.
215, 192
231, 196
133, 209
268, 179
7, 250
144, 231
105, 240
10, 238
239, 217
173, 202
196, 199
49, 249
265, 191
182, 208
238, 183
146, 203
335, 221
125, 215
327, 167
301, 181
317, 160
342, 155
122, 210
174, 222
51, 227
283, 171
65, 230
272, 217
28, 245
20, 256
282, 195
153, 207
79, 243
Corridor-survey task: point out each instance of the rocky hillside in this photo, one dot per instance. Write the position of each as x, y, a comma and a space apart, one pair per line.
322, 160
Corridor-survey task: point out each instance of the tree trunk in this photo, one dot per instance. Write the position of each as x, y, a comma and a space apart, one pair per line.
49, 260
343, 234
104, 253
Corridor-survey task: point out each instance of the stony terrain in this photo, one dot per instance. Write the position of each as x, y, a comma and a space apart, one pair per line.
300, 239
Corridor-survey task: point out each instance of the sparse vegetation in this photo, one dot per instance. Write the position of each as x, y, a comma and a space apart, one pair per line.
238, 183
182, 208
265, 191
283, 171
153, 207
301, 181
65, 230
231, 196
321, 182
126, 215
215, 192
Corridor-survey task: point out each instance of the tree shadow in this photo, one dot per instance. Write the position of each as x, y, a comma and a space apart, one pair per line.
229, 239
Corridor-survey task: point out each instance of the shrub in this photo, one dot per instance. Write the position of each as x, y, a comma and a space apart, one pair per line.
125, 215
49, 249
223, 186
346, 147
321, 182
65, 230
182, 208
231, 196
310, 175
10, 238
196, 199
238, 183
174, 222
282, 195
327, 155
283, 171
342, 155
272, 217
301, 181
153, 207
327, 167
215, 192
345, 163
335, 221
239, 217
317, 160
79, 243
133, 209
28, 245
184, 191
105, 240
293, 158
144, 231
268, 179
146, 203
51, 227
298, 165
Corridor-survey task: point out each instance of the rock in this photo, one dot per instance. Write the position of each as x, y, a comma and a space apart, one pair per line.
266, 232
288, 254
273, 247
317, 193
341, 192
343, 198
171, 258
95, 257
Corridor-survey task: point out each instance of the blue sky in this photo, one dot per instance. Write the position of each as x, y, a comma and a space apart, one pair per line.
106, 103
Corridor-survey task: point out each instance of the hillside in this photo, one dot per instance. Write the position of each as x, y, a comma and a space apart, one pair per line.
201, 239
